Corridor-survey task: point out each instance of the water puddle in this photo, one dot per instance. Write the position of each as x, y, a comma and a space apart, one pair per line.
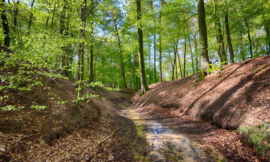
167, 145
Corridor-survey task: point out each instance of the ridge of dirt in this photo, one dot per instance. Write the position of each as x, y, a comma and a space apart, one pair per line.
238, 96
62, 133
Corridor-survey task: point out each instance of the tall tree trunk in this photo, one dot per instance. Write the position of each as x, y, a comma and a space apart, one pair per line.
31, 18
196, 54
268, 36
91, 50
228, 33
191, 54
172, 64
221, 57
229, 38
5, 25
203, 37
180, 67
249, 37
160, 44
144, 86
155, 56
120, 53
80, 52
185, 52
175, 58
15, 11
63, 34
149, 59
241, 46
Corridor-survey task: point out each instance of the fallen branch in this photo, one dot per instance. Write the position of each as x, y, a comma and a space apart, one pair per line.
105, 139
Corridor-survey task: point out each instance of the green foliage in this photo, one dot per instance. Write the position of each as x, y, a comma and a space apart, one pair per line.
258, 137
216, 67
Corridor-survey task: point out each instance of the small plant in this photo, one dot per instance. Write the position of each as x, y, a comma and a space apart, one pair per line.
258, 137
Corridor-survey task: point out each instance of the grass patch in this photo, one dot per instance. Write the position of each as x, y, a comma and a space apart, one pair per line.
258, 137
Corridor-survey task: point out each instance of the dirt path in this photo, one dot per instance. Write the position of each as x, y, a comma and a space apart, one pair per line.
166, 144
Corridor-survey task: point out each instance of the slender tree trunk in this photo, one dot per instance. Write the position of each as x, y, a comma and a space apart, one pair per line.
172, 64
180, 67
31, 18
63, 34
241, 46
144, 86
221, 57
219, 54
203, 37
91, 56
185, 52
175, 58
91, 50
52, 20
80, 52
120, 53
267, 31
249, 37
160, 47
191, 54
155, 57
268, 36
228, 33
196, 54
15, 11
5, 25
149, 59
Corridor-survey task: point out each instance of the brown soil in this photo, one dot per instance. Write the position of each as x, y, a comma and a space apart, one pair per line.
238, 96
61, 132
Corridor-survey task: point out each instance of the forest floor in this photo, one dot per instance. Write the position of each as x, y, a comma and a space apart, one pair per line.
101, 130
212, 109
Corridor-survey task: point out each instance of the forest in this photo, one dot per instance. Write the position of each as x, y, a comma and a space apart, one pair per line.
99, 40
165, 58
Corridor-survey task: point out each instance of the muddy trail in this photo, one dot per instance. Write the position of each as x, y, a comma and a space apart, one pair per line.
164, 142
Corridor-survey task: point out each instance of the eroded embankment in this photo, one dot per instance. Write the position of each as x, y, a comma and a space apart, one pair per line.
62, 132
239, 95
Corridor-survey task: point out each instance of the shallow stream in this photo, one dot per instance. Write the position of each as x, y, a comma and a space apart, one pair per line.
166, 144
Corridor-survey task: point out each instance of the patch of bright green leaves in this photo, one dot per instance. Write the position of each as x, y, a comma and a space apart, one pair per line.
258, 136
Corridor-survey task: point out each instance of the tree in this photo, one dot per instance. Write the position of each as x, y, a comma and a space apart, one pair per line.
203, 37
5, 25
144, 86
228, 33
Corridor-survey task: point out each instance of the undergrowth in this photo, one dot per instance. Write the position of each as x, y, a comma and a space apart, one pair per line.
258, 137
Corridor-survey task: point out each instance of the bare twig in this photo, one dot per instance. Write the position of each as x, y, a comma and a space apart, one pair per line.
105, 139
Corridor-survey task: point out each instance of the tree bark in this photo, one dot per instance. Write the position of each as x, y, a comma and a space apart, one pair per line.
249, 37
5, 25
196, 53
221, 57
191, 54
185, 52
15, 11
175, 58
80, 52
160, 45
241, 46
91, 50
180, 67
228, 33
149, 59
155, 56
144, 86
203, 37
31, 18
268, 36
120, 53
